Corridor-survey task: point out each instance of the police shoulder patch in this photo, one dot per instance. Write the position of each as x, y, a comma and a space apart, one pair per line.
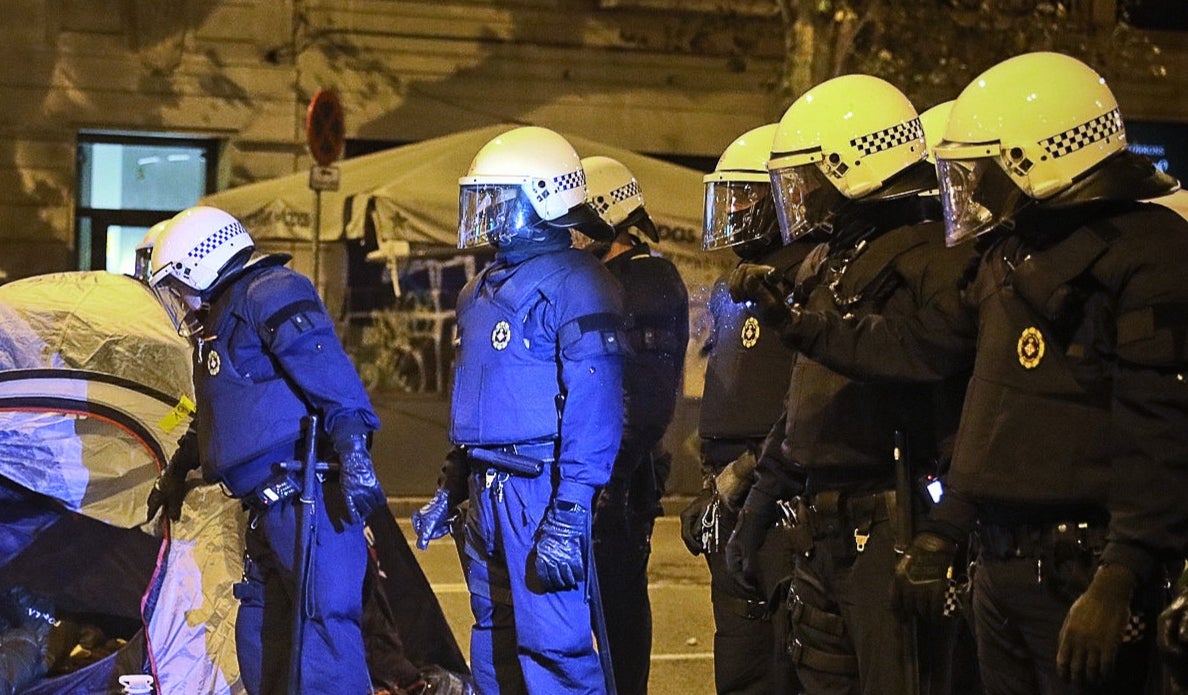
750, 332
1030, 347
501, 335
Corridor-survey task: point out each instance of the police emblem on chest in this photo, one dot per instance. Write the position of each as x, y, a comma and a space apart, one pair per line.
750, 332
213, 363
1030, 347
501, 335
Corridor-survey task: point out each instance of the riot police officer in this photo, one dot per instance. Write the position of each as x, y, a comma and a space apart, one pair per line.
266, 357
848, 160
1074, 434
746, 377
656, 327
538, 409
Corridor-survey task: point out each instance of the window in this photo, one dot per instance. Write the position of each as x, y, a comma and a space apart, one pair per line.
128, 183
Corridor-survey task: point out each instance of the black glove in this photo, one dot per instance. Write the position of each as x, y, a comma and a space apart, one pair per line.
1093, 628
1173, 639
922, 577
757, 284
170, 489
611, 513
561, 542
758, 514
691, 519
432, 521
360, 489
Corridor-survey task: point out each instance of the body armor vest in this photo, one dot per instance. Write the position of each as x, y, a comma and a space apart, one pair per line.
245, 408
837, 422
1036, 420
747, 369
506, 384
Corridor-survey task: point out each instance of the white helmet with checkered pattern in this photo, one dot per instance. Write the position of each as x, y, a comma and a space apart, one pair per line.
842, 140
525, 170
614, 193
933, 122
738, 206
1024, 130
144, 251
188, 256
195, 246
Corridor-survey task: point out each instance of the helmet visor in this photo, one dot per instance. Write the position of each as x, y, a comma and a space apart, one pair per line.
180, 303
805, 200
736, 212
977, 196
144, 263
490, 212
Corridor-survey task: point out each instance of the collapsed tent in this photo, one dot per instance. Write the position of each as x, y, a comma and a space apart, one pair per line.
95, 390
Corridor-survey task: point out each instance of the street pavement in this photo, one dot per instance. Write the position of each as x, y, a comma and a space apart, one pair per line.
683, 625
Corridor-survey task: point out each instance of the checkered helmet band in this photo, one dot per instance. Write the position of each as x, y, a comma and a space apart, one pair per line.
568, 181
887, 138
630, 190
214, 241
1073, 139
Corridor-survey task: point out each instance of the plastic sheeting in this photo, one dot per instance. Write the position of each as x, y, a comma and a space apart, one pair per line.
95, 390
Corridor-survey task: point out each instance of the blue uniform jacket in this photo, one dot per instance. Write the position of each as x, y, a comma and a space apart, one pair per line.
540, 359
268, 358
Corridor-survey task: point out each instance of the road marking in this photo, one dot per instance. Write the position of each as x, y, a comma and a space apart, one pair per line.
695, 656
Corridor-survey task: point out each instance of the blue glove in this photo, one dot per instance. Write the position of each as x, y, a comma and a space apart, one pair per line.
561, 546
433, 520
360, 489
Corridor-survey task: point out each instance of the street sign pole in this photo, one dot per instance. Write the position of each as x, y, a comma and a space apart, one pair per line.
317, 246
325, 132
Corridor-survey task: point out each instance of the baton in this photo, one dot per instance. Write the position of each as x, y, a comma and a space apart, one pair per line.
903, 536
306, 513
508, 461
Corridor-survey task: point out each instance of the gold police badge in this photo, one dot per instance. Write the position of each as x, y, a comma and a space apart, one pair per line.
1030, 347
213, 363
501, 335
750, 332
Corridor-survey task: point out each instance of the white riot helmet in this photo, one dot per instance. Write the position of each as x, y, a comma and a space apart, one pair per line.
738, 204
1036, 127
144, 252
524, 178
846, 139
188, 256
933, 121
614, 193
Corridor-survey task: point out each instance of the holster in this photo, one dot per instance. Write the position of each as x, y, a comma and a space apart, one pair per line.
844, 521
797, 525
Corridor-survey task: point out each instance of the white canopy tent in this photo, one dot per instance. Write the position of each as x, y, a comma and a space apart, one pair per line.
410, 193
408, 196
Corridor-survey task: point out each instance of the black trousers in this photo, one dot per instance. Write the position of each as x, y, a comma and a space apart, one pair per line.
1019, 608
750, 656
621, 551
846, 639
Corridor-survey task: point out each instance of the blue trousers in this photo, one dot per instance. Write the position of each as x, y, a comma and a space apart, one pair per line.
332, 655
524, 639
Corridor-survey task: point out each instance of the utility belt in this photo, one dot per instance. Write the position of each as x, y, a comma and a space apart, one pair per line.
1036, 541
273, 491
837, 517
